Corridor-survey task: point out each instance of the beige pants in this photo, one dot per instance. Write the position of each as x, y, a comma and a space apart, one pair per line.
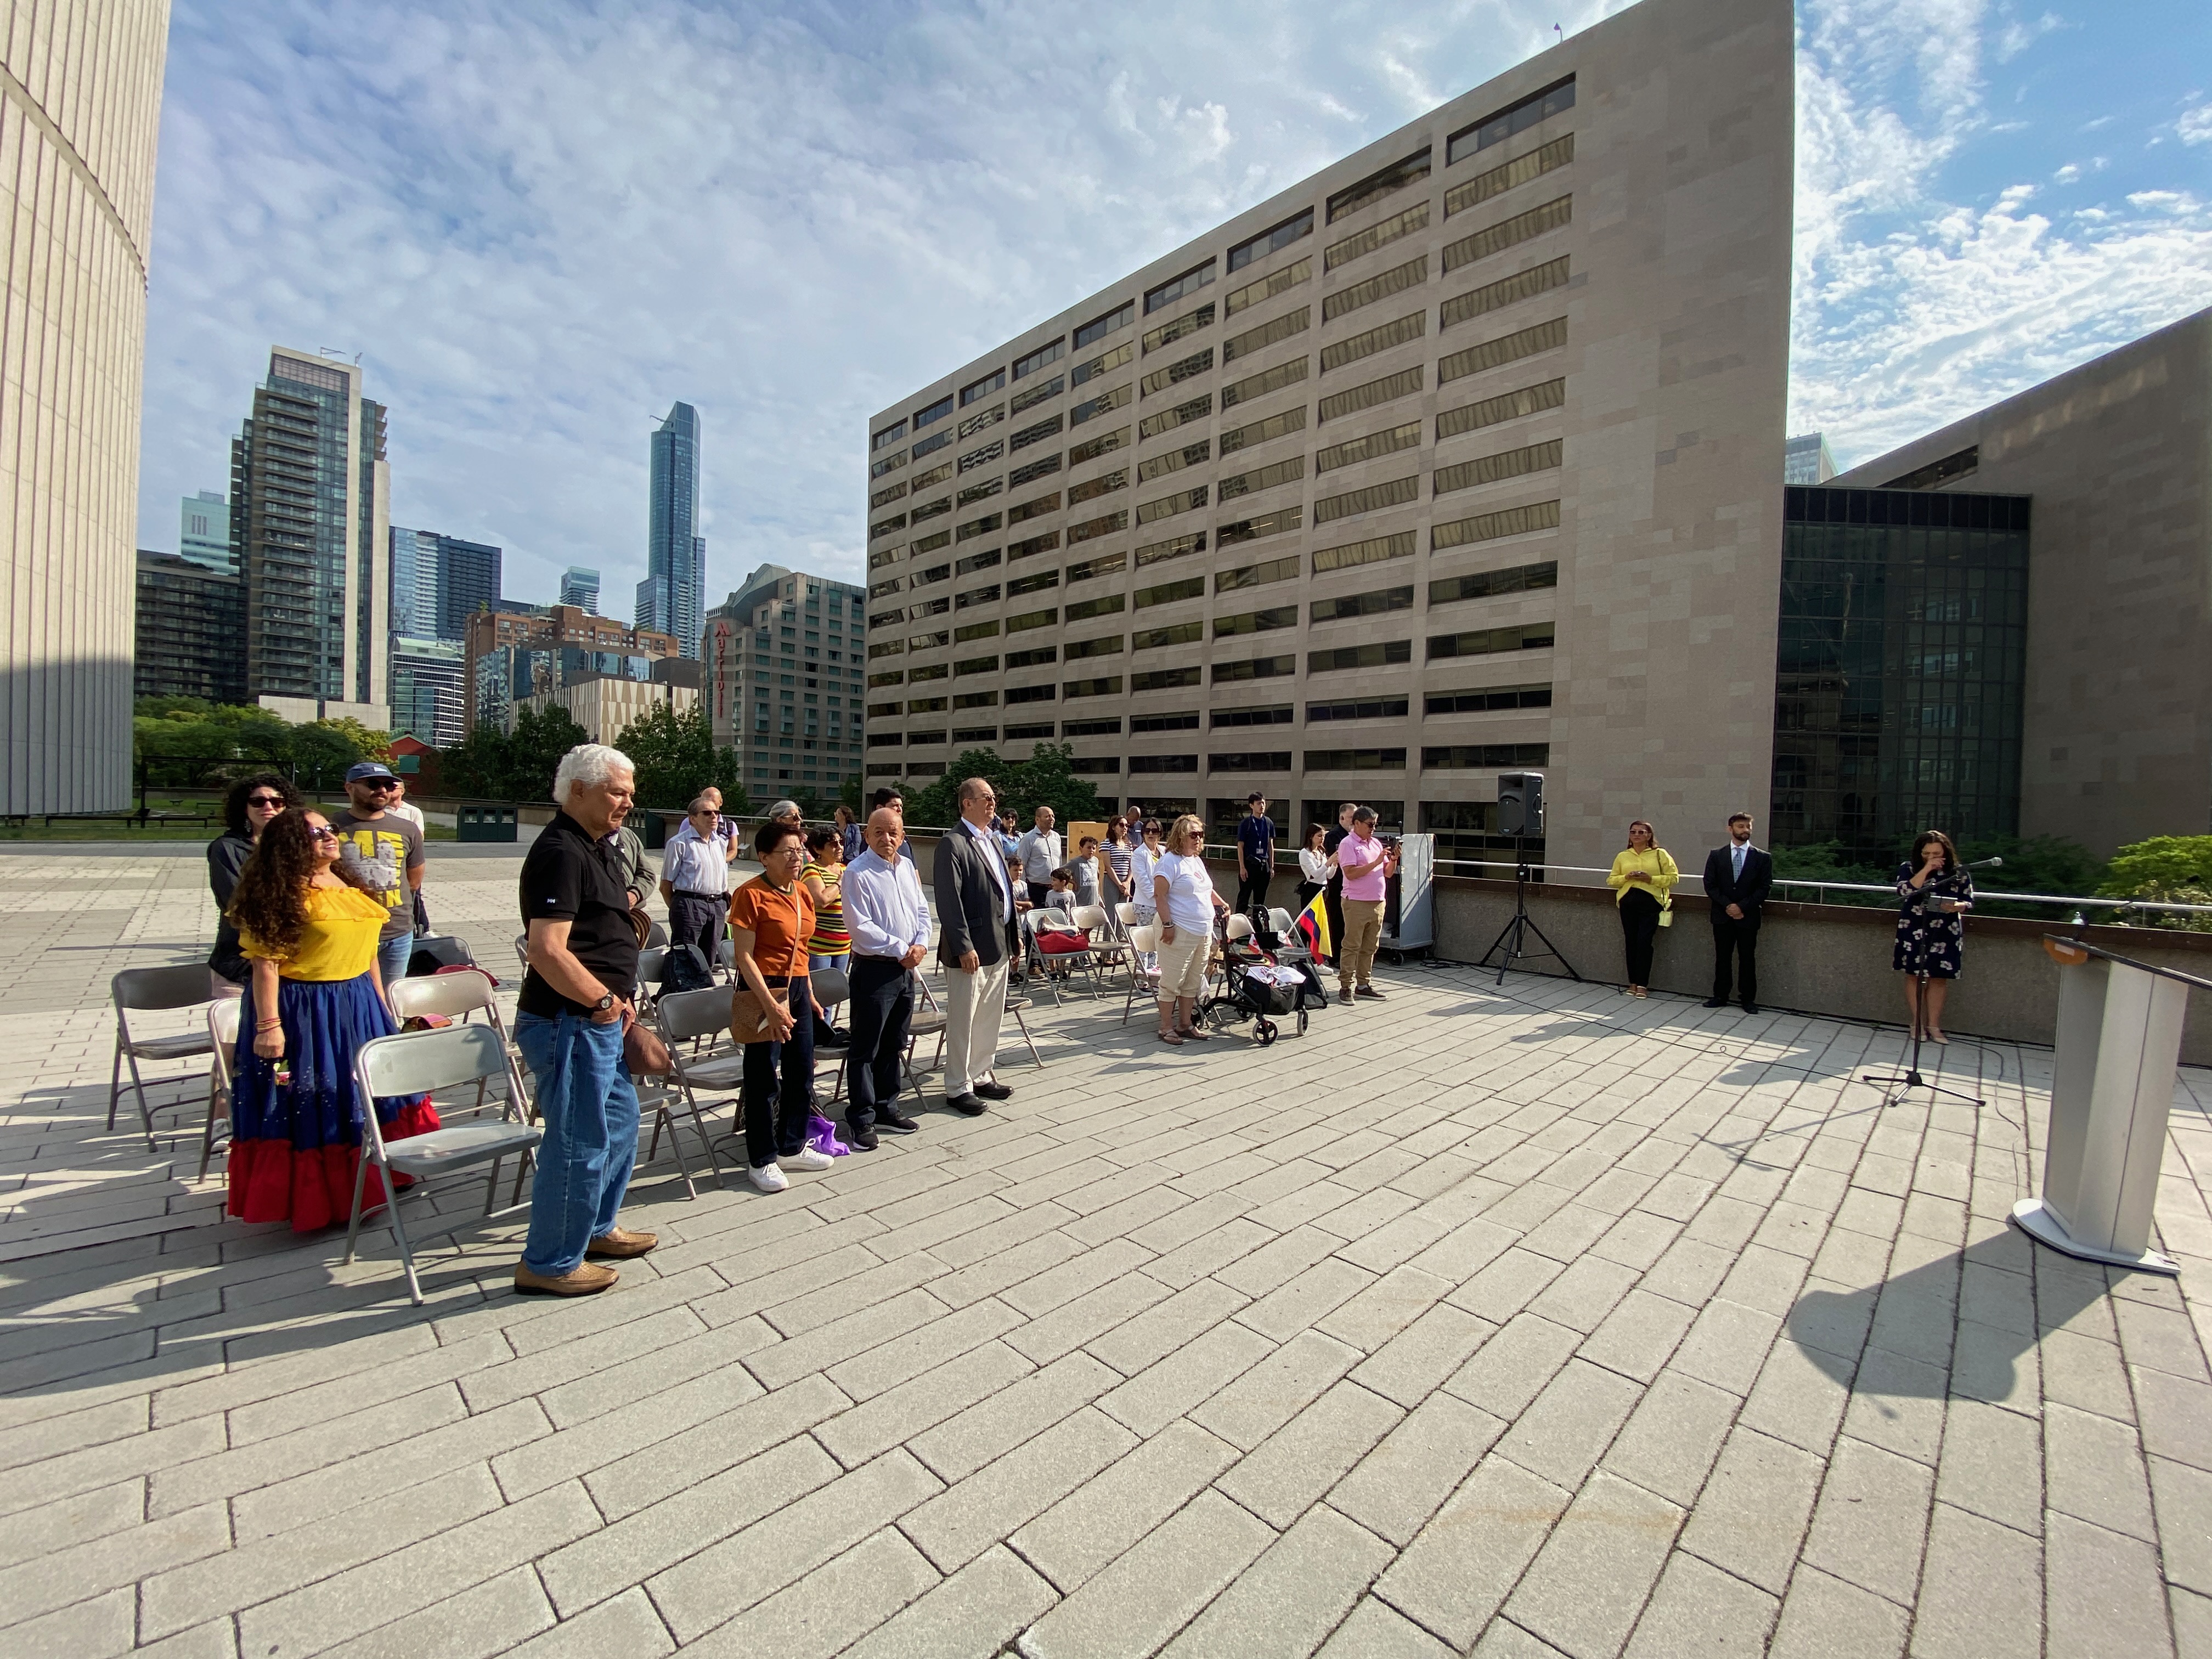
975, 1003
1182, 963
1363, 932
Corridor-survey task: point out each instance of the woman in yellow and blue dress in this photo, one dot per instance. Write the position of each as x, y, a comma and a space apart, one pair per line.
1933, 892
308, 928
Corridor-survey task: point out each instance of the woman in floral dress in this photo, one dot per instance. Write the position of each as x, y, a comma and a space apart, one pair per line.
1934, 894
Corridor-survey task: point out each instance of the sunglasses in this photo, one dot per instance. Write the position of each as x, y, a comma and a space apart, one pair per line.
324, 834
275, 801
383, 787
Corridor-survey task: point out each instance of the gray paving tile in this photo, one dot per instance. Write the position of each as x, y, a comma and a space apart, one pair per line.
1399, 1485
1377, 1631
1566, 1429
2184, 1499
823, 1613
1139, 1602
2093, 1471
1084, 1531
1289, 1599
1981, 1591
2102, 1592
1698, 1612
1872, 1522
1458, 1570
1586, 1589
1670, 1441
1989, 1466
983, 1508
1751, 1516
1290, 1470
976, 1611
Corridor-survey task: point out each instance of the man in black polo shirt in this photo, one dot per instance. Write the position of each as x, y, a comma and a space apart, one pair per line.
574, 1003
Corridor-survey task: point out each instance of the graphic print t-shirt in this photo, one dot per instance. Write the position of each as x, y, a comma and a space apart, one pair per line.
382, 853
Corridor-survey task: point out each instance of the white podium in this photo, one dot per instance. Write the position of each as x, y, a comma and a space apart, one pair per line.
2119, 1037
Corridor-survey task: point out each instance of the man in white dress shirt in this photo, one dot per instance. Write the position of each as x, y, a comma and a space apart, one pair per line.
694, 879
888, 921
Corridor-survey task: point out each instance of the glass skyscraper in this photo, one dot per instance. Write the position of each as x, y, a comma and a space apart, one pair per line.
203, 532
580, 587
671, 598
1902, 666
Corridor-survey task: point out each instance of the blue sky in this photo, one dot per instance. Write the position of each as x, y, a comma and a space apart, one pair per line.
540, 223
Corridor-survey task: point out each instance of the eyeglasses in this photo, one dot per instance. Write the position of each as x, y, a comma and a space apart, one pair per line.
273, 801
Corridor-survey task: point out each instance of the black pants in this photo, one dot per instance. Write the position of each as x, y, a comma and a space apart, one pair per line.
779, 1093
881, 1009
1639, 928
1040, 893
1252, 891
697, 919
1743, 938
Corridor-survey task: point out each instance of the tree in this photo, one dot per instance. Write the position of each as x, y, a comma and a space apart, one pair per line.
535, 751
2175, 868
673, 753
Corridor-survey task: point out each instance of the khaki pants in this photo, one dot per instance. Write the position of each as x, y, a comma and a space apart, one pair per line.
975, 1003
1363, 932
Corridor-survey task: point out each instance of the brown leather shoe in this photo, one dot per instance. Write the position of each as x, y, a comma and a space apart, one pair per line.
619, 1244
583, 1279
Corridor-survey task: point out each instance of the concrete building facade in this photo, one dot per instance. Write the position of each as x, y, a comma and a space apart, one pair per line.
80, 114
2115, 740
189, 619
510, 657
782, 668
606, 707
1462, 455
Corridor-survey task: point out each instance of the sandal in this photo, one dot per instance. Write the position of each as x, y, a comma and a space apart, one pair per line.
1169, 1038
1938, 1038
1192, 1034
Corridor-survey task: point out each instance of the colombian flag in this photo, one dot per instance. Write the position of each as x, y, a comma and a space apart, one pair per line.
1312, 927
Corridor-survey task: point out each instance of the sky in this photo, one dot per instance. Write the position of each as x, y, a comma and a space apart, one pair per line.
540, 223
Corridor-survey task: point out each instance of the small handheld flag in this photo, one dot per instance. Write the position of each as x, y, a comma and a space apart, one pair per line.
1312, 927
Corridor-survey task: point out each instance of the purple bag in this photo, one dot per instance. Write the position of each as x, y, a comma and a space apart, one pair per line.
822, 1136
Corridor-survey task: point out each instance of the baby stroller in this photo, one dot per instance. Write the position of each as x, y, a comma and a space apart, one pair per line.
1262, 984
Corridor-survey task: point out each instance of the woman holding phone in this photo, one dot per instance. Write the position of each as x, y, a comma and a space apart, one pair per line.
1934, 893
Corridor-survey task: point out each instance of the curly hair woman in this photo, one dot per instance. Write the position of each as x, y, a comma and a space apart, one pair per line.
253, 801
1934, 893
308, 928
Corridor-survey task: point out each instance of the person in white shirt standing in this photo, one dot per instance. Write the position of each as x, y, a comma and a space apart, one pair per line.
1144, 860
406, 809
1042, 852
975, 906
888, 921
1182, 893
694, 879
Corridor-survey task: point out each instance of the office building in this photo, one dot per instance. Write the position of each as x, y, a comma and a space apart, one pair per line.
606, 707
1805, 460
1461, 456
203, 532
429, 696
670, 599
78, 123
508, 656
580, 587
2114, 740
783, 672
190, 621
439, 581
310, 498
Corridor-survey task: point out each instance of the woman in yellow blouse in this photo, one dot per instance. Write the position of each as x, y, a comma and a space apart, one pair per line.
308, 928
1642, 880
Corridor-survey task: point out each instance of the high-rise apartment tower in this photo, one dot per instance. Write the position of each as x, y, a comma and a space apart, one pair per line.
1463, 455
310, 509
203, 532
580, 587
672, 594
782, 680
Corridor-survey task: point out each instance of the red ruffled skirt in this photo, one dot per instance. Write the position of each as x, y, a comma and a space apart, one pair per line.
296, 1149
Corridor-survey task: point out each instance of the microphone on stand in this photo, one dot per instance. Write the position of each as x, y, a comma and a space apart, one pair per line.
1984, 864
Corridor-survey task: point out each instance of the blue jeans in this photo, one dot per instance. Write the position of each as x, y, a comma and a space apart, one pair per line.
589, 1110
392, 957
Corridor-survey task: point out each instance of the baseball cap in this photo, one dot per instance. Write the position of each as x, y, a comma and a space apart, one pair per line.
369, 772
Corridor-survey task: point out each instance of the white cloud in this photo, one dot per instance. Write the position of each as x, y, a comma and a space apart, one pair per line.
2195, 127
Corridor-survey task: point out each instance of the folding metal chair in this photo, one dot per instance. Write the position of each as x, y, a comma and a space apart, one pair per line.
147, 991
683, 1018
423, 1062
222, 1033
522, 950
649, 963
831, 987
1107, 952
1033, 923
458, 996
1144, 939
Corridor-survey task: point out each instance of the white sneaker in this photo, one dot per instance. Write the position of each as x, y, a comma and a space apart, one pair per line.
768, 1178
807, 1158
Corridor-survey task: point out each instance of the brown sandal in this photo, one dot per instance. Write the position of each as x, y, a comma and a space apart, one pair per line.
1169, 1038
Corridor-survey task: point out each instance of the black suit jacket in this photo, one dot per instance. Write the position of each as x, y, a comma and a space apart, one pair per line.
970, 907
1723, 887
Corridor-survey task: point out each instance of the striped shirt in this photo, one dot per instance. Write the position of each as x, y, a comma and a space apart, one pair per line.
830, 938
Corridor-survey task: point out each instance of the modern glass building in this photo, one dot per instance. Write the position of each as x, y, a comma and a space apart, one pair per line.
203, 532
671, 598
310, 509
429, 696
1901, 669
580, 587
191, 621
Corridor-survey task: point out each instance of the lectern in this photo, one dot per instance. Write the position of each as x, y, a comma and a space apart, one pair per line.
2119, 1037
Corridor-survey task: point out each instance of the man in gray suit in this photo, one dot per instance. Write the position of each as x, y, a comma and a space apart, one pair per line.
975, 908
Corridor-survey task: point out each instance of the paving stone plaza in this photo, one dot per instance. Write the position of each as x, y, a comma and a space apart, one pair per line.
1514, 1322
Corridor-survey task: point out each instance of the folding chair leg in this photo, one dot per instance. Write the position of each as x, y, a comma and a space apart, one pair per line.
115, 1083
145, 1112
1022, 1025
714, 1163
207, 1135
353, 1227
661, 1114
399, 1234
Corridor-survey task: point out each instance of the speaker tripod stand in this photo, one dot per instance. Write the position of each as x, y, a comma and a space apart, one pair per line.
1910, 1078
1510, 947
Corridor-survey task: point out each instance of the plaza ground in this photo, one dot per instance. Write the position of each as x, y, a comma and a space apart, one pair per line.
1515, 1322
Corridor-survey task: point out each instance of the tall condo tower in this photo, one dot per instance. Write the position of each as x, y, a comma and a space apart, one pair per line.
670, 599
80, 109
310, 515
580, 587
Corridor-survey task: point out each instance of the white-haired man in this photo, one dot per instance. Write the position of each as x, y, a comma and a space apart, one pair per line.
574, 1003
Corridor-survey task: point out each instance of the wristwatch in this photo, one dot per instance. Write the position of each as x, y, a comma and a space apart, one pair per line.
605, 1003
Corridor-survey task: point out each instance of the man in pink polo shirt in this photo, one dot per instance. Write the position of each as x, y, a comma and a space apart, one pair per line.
1367, 864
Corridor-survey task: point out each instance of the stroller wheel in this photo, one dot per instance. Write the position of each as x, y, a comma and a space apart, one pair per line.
1265, 1032
1301, 1022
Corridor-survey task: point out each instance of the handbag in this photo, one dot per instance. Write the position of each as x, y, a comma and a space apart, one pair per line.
644, 1055
749, 1021
1667, 917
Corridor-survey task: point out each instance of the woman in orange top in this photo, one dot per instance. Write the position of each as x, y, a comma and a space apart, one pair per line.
771, 919
308, 929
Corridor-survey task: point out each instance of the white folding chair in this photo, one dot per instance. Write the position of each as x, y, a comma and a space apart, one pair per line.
1234, 931
683, 1019
1279, 921
423, 1062
1144, 939
147, 991
1107, 952
522, 950
458, 996
223, 1036
1034, 922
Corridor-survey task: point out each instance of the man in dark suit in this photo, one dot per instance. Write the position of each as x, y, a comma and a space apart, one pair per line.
1737, 877
975, 908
